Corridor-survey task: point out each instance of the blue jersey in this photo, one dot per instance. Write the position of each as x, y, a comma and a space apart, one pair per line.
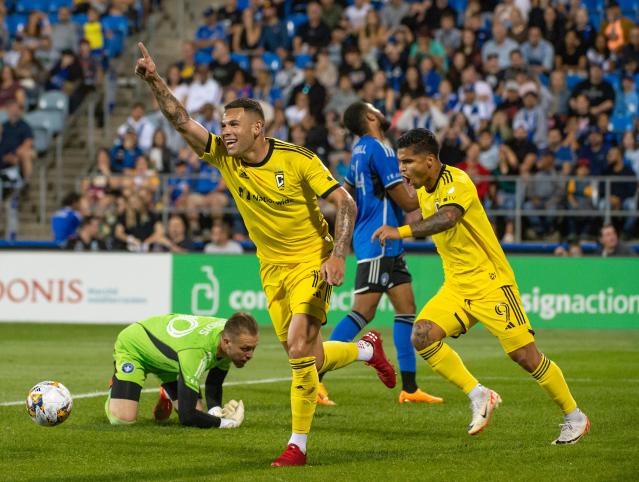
374, 168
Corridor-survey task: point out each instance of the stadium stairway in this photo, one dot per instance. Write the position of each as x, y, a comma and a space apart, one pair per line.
76, 163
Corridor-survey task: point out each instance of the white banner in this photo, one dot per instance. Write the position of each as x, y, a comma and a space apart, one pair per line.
83, 287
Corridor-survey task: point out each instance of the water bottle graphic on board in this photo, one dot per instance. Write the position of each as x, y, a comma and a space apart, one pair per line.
205, 297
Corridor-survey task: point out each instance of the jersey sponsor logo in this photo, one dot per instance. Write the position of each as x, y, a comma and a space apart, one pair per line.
279, 179
128, 367
248, 196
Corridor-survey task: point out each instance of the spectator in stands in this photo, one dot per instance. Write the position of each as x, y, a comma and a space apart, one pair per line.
137, 226
332, 13
174, 82
222, 66
314, 34
559, 94
630, 52
30, 72
300, 109
207, 194
499, 44
140, 125
532, 116
422, 112
10, 88
623, 192
93, 32
241, 86
584, 28
393, 12
579, 191
202, 90
476, 171
317, 94
356, 14
274, 37
229, 15
36, 29
627, 102
522, 147
630, 151
66, 220
187, 63
342, 97
561, 151
426, 46
595, 150
599, 91
160, 156
475, 113
87, 237
610, 245
599, 53
92, 70
64, 34
68, 77
143, 175
125, 152
453, 146
505, 196
538, 53
489, 151
355, 67
207, 34
176, 239
412, 84
209, 119
571, 54
246, 38
221, 242
615, 27
543, 191
448, 35
288, 77
16, 143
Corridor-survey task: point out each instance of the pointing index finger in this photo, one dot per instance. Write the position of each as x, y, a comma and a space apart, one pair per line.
145, 52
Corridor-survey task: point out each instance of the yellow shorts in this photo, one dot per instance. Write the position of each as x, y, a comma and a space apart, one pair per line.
501, 312
294, 288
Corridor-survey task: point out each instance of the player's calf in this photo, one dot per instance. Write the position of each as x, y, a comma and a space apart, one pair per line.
425, 333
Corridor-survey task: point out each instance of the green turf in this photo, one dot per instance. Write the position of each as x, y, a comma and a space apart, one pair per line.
367, 436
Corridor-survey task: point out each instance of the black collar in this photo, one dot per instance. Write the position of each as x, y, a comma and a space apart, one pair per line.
441, 172
263, 161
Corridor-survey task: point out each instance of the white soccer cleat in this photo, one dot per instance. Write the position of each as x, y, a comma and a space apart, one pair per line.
482, 411
572, 431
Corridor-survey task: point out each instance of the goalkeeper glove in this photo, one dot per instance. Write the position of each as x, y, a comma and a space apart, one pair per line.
234, 415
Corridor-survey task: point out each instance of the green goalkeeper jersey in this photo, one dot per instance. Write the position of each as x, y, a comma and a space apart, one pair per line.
168, 345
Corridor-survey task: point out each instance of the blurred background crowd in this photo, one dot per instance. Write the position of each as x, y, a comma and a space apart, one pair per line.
537, 100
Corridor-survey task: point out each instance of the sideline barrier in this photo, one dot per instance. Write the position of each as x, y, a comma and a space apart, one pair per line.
115, 288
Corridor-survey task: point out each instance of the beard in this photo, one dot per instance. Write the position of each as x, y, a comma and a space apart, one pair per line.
384, 123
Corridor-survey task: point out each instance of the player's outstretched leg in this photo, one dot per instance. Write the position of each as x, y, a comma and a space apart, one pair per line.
550, 378
427, 340
402, 328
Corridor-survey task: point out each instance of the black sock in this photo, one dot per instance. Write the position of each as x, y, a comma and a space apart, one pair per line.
408, 382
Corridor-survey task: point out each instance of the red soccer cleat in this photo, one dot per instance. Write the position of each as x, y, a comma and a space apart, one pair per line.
379, 362
290, 457
163, 408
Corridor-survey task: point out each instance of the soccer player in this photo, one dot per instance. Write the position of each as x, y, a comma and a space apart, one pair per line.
479, 285
179, 349
381, 194
275, 186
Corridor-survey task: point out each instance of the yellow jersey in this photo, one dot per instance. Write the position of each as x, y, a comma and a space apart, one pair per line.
277, 199
474, 263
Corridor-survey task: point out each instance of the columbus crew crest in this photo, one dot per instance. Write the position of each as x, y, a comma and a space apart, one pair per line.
279, 180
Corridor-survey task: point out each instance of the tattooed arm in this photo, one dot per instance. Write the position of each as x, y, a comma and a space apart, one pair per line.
192, 131
333, 269
444, 219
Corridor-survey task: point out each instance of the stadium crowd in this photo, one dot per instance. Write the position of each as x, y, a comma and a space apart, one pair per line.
530, 97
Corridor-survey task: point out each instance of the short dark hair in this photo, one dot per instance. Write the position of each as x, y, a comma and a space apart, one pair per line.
355, 118
239, 323
88, 220
421, 140
70, 199
247, 104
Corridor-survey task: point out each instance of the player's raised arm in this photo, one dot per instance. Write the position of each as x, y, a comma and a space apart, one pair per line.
192, 131
444, 219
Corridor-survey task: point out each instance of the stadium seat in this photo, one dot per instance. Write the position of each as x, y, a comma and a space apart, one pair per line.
293, 22
621, 124
613, 79
53, 18
54, 5
302, 59
16, 22
572, 80
55, 105
272, 61
202, 58
42, 128
80, 19
242, 60
27, 6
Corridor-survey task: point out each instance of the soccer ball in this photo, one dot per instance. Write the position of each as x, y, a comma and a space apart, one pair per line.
49, 403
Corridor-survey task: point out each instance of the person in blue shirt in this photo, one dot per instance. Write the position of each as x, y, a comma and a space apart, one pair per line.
379, 190
206, 36
65, 221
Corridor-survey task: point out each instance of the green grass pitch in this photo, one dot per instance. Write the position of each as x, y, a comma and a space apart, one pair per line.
368, 436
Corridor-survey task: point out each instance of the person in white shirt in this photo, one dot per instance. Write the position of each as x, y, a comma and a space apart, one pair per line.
202, 90
142, 127
221, 242
422, 113
356, 14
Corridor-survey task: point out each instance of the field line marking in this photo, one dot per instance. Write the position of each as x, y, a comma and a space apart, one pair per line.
357, 377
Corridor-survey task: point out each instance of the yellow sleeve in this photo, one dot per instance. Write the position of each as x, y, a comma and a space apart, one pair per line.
319, 178
460, 192
214, 150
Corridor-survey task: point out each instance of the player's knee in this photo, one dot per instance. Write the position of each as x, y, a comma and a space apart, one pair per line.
299, 348
424, 334
528, 357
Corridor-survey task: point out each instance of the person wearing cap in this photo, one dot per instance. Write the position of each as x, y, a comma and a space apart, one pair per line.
532, 115
207, 34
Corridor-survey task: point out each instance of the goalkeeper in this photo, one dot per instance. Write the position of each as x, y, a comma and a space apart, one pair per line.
179, 349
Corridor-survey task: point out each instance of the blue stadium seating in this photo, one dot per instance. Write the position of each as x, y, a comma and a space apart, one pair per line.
272, 61
242, 60
293, 22
621, 124
16, 22
572, 80
302, 59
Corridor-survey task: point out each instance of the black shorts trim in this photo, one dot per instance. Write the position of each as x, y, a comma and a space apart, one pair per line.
125, 389
381, 274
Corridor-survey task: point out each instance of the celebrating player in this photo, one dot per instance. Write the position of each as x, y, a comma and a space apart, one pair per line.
179, 349
380, 194
275, 186
479, 285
